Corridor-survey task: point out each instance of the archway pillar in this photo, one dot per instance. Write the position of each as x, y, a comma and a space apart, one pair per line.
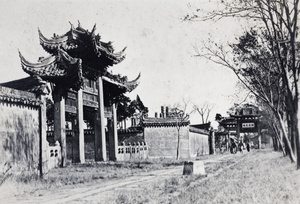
113, 134
60, 125
100, 139
78, 131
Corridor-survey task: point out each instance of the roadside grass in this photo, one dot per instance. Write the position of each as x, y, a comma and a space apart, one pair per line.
262, 177
25, 184
258, 177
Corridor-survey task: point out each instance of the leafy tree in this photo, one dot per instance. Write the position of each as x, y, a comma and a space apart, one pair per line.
127, 108
123, 107
137, 106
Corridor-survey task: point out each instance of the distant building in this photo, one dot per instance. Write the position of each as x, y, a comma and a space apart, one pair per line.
161, 136
242, 124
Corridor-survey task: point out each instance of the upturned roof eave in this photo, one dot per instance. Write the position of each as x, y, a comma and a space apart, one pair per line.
128, 86
55, 70
67, 40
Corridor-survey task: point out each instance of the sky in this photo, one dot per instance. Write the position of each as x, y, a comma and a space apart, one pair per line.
159, 44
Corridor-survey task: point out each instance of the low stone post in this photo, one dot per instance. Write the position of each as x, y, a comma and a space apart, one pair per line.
194, 167
58, 151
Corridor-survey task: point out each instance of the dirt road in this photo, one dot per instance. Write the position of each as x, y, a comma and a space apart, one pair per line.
106, 190
96, 193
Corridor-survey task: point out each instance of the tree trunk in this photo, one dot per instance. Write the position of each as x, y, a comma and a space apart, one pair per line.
275, 144
286, 139
178, 145
292, 130
279, 140
296, 127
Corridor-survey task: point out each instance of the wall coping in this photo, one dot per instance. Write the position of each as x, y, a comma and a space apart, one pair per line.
14, 96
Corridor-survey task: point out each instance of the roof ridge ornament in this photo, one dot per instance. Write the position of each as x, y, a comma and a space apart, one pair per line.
72, 26
93, 30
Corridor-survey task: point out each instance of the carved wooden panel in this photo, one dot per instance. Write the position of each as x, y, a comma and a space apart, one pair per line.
70, 109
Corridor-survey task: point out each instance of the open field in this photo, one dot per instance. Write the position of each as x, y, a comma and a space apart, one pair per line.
256, 177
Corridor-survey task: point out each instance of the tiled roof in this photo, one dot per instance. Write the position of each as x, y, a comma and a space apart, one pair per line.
19, 97
204, 126
228, 121
131, 130
198, 130
74, 55
164, 122
74, 40
127, 85
31, 84
63, 70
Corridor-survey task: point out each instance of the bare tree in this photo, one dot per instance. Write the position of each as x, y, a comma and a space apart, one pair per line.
278, 22
204, 111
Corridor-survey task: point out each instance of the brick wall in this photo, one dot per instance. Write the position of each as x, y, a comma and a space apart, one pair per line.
19, 130
162, 141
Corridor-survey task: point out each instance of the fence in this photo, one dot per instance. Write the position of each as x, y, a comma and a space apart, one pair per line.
137, 151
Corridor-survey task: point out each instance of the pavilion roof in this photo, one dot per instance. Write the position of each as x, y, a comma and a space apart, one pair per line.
66, 71
75, 41
75, 55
